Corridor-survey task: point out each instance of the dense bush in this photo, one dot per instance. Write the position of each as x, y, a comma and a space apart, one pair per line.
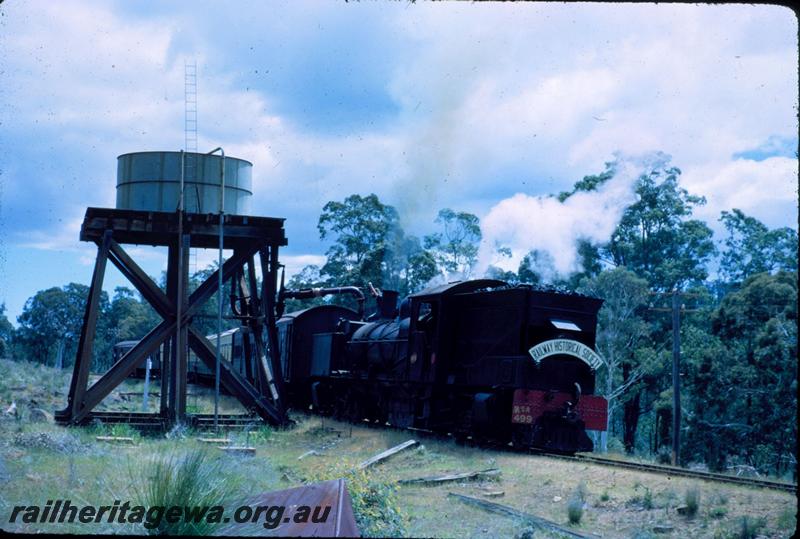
374, 499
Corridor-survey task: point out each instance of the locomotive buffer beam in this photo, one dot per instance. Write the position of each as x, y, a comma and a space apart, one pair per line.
249, 236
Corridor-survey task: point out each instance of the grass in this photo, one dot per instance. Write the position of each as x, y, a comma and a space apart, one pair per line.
92, 472
644, 500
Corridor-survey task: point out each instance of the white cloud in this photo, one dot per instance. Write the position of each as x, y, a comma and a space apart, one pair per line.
764, 189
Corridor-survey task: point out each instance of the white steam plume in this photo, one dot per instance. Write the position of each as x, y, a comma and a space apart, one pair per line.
525, 223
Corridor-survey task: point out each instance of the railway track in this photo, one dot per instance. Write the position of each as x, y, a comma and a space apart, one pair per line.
591, 459
236, 421
675, 471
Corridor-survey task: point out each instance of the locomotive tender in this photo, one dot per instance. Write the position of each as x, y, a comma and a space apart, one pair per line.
474, 358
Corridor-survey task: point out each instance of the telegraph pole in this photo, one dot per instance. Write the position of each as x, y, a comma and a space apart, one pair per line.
676, 310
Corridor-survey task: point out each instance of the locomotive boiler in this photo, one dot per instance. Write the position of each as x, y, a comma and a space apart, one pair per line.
474, 358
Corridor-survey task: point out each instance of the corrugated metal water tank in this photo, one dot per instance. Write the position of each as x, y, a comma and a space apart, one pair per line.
150, 181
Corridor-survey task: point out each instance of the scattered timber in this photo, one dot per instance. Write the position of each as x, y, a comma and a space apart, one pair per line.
215, 440
493, 493
386, 454
491, 472
125, 439
506, 510
307, 454
239, 450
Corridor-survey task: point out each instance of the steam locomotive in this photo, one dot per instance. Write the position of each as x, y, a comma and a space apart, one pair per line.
475, 358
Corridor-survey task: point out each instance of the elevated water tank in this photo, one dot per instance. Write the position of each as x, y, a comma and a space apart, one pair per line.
151, 181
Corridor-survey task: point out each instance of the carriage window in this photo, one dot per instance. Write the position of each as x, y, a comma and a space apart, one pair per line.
564, 324
424, 310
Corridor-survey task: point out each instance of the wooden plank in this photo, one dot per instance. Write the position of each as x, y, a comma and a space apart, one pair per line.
114, 439
491, 472
506, 510
386, 454
239, 450
215, 440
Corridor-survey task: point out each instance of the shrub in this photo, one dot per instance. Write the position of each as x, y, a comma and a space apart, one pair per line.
123, 430
692, 500
260, 435
527, 533
717, 512
788, 518
574, 510
644, 500
647, 499
605, 496
172, 479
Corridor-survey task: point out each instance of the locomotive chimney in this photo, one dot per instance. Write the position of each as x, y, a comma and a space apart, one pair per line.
387, 304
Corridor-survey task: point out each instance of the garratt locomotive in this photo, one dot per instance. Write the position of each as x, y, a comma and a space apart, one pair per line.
473, 358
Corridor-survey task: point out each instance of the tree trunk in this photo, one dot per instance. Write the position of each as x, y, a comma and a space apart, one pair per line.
609, 419
630, 421
60, 355
630, 413
664, 424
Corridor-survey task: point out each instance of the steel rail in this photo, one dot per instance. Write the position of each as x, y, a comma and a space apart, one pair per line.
675, 471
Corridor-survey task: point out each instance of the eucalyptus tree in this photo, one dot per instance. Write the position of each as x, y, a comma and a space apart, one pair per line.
455, 246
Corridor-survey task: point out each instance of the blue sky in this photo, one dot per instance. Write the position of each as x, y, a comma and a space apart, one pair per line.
427, 105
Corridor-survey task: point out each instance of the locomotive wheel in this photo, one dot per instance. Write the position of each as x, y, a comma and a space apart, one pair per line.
521, 436
375, 409
348, 406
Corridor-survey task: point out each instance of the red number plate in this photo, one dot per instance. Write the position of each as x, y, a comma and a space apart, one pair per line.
529, 404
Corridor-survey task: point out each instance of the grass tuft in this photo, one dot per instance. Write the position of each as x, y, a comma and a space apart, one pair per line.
184, 480
576, 502
749, 527
575, 510
692, 499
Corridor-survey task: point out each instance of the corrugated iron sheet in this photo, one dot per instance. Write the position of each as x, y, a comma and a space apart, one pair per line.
340, 521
